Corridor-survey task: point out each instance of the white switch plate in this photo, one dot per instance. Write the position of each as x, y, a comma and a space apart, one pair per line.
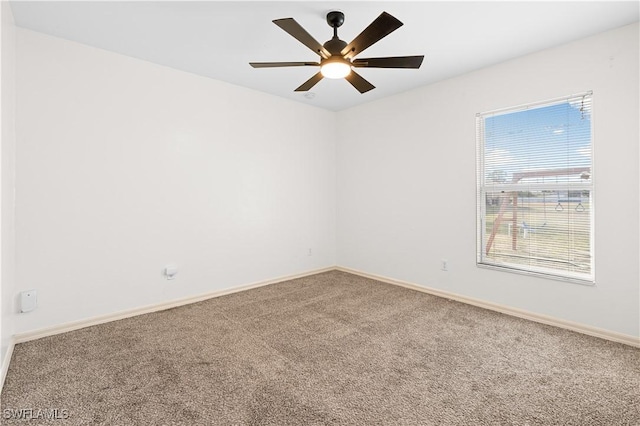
28, 300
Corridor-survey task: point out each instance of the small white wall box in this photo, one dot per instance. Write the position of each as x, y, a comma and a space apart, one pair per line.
170, 271
28, 300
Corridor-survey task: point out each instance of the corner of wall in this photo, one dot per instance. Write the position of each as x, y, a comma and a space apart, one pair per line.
7, 185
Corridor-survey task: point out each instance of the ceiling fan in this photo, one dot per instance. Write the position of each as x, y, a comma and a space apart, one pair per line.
336, 56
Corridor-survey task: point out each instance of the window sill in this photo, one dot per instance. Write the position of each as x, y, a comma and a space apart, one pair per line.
582, 281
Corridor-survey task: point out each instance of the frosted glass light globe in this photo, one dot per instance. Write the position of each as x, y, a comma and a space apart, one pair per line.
335, 69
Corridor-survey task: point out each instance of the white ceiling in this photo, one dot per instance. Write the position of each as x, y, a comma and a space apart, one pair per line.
218, 39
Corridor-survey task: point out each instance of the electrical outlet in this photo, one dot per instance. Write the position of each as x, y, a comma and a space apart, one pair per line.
445, 265
309, 253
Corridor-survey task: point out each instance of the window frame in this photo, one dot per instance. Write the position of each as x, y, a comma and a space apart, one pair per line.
482, 188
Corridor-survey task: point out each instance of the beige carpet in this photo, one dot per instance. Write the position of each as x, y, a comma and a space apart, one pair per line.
333, 348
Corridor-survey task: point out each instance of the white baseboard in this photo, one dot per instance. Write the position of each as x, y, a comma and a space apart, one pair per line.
544, 319
75, 325
6, 361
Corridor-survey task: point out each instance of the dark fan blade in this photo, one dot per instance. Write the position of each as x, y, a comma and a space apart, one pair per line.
391, 62
300, 34
359, 82
381, 27
309, 83
282, 64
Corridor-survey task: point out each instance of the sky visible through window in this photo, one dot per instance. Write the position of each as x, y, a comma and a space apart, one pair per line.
549, 137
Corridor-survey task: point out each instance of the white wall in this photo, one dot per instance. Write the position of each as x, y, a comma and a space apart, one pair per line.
7, 179
406, 194
124, 166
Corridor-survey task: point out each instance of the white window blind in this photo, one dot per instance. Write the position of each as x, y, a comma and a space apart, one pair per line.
535, 189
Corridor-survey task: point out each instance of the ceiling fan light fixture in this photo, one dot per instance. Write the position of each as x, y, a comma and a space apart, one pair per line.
336, 54
335, 69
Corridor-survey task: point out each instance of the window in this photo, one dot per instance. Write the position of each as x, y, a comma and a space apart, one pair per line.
535, 189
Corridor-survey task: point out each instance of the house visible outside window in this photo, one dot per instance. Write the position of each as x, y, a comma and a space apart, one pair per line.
535, 189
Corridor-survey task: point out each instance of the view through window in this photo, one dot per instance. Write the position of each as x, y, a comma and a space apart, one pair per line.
535, 188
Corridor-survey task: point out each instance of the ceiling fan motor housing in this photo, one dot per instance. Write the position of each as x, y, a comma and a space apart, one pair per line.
335, 46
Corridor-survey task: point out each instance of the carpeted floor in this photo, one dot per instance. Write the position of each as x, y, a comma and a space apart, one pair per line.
333, 348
